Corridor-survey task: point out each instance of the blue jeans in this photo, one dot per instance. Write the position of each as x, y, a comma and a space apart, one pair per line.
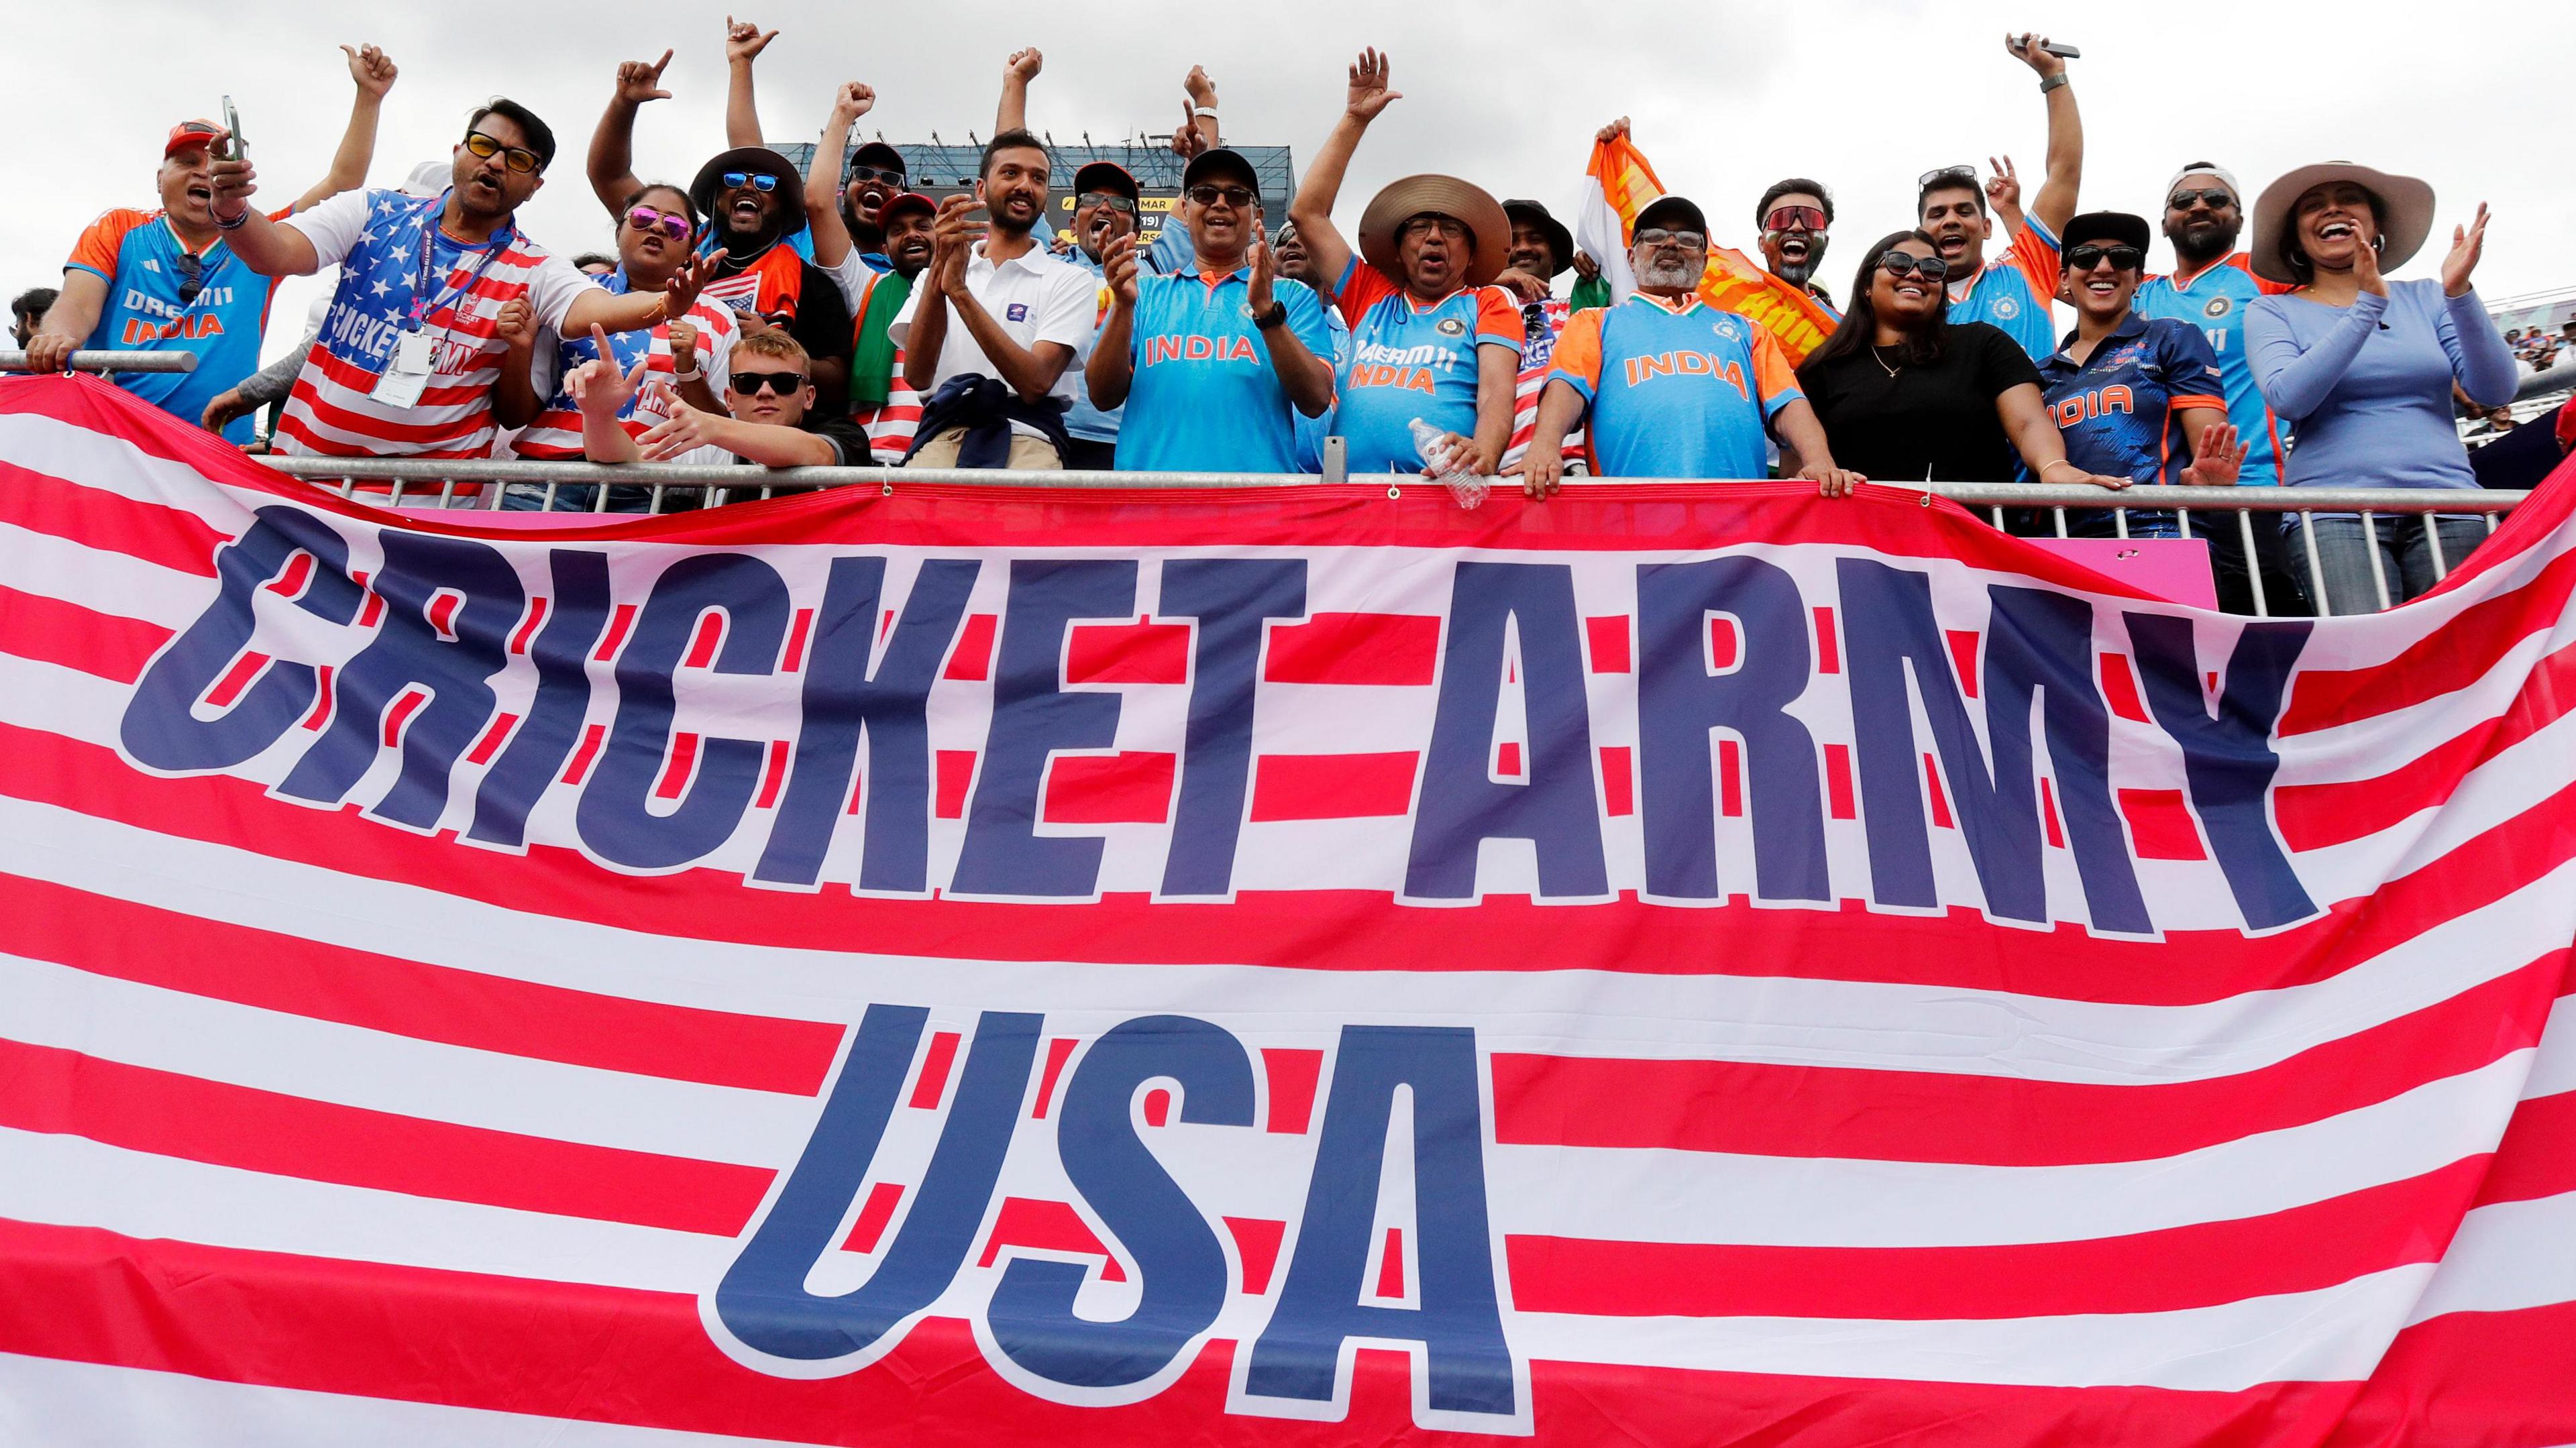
576, 498
2405, 559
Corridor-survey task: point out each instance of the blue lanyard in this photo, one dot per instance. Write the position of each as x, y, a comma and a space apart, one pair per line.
422, 301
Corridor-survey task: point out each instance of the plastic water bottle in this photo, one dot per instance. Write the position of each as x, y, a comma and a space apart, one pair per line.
1440, 461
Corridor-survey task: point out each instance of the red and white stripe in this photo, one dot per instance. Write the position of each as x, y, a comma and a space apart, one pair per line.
315, 1131
556, 432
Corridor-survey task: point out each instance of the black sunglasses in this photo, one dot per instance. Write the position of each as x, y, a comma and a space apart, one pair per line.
1234, 196
192, 275
876, 173
1948, 175
1904, 263
756, 180
780, 383
2088, 256
1110, 199
2215, 198
517, 158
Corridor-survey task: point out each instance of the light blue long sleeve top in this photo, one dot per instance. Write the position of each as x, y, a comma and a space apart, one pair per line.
2368, 387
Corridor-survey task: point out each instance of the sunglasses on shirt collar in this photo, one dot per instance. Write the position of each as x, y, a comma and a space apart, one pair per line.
782, 384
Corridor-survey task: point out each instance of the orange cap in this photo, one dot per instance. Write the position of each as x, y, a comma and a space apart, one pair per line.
191, 133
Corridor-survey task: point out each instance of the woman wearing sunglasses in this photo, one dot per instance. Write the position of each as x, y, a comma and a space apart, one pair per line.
1907, 395
654, 236
2132, 397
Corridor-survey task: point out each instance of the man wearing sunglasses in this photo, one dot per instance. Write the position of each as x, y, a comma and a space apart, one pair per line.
165, 280
2211, 288
2133, 398
407, 356
769, 420
1793, 215
1430, 339
1216, 367
1675, 388
754, 200
2012, 293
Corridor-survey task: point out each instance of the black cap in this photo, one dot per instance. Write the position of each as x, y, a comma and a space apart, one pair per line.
1559, 240
878, 154
1219, 161
2117, 226
1106, 176
1673, 213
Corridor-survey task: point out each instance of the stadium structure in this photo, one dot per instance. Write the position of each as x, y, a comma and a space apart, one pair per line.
940, 168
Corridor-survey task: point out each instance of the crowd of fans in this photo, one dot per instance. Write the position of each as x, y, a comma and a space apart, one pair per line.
767, 316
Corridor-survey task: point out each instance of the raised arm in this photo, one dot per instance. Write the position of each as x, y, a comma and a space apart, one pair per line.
602, 393
635, 311
1313, 209
374, 74
2055, 203
2480, 360
1112, 368
1021, 68
823, 178
263, 245
744, 42
611, 164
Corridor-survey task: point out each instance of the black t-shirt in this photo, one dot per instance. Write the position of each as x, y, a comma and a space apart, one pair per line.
1934, 421
850, 446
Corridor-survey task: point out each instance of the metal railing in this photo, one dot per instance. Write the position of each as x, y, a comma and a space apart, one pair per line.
12, 360
2060, 509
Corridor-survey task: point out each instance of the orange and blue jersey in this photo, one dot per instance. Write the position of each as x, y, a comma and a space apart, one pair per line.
1205, 399
2120, 409
146, 268
1675, 391
2215, 301
1410, 360
2013, 291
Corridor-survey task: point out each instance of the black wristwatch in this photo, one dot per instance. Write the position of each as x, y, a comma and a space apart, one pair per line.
1277, 314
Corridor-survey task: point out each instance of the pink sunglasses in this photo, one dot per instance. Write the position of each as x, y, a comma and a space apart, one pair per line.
645, 218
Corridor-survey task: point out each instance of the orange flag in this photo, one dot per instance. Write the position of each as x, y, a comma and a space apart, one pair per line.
1622, 183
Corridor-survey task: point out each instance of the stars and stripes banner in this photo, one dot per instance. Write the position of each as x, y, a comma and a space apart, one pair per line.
1302, 967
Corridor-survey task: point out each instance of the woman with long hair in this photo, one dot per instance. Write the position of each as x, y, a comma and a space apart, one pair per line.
1905, 394
2362, 367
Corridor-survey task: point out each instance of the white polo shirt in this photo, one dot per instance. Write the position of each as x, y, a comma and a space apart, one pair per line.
1035, 296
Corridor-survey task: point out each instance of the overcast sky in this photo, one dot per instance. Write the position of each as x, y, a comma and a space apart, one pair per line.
2478, 98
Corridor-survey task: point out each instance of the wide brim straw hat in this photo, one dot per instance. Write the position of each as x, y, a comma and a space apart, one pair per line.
2405, 214
1414, 196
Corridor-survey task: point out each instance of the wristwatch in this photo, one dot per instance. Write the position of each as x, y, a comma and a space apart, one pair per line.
2050, 83
1277, 314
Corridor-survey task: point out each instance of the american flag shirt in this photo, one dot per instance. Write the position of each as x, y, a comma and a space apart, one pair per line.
556, 432
1542, 321
375, 238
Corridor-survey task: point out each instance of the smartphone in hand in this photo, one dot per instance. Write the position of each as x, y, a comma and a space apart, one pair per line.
231, 149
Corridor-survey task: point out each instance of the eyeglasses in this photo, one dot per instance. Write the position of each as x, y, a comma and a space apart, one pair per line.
517, 158
1782, 218
756, 180
1903, 263
1657, 236
779, 383
1445, 226
2214, 198
1110, 199
2088, 256
1234, 196
673, 224
876, 173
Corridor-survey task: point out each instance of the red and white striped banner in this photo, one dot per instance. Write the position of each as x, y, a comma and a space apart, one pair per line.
1299, 967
